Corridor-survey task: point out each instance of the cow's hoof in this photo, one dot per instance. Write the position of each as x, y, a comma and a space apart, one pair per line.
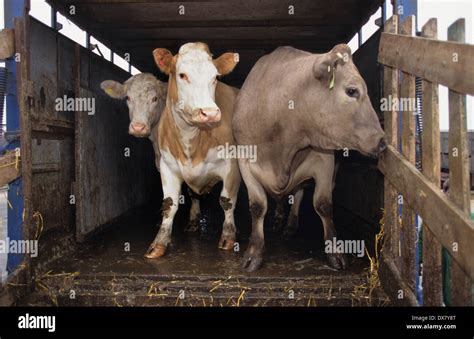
226, 243
251, 263
192, 226
252, 259
337, 261
155, 251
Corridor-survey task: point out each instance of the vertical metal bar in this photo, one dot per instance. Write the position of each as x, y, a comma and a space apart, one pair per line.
384, 14
88, 40
54, 18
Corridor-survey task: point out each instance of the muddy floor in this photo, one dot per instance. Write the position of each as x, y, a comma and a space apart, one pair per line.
109, 270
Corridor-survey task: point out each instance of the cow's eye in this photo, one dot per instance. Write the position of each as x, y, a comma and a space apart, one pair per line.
352, 92
155, 99
183, 76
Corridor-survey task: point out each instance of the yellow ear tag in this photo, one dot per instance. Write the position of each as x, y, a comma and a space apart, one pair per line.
331, 82
109, 91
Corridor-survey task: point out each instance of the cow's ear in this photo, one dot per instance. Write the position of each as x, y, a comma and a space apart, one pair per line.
164, 60
226, 62
324, 67
161, 88
114, 89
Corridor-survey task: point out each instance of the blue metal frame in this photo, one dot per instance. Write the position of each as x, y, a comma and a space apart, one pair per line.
410, 7
12, 9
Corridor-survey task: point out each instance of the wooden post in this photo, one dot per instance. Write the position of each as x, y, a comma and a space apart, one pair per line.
390, 91
407, 91
432, 278
459, 183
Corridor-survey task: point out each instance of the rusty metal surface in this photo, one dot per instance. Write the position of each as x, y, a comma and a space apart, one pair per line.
108, 182
52, 144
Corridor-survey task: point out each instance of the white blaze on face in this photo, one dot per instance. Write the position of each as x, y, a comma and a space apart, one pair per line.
196, 78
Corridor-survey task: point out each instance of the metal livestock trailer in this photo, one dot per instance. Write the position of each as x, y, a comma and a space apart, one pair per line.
89, 193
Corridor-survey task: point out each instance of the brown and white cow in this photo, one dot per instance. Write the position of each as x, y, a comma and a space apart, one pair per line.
297, 108
146, 98
194, 124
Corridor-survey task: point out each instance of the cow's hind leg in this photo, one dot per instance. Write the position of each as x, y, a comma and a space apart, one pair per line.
171, 191
194, 213
278, 216
228, 199
322, 202
253, 256
291, 226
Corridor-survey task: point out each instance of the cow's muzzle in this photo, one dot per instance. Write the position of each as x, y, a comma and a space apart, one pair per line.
382, 146
139, 129
209, 115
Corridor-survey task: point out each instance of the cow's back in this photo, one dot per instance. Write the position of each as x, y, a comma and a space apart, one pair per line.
263, 101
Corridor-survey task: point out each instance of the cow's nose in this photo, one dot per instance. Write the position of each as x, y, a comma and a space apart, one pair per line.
137, 126
382, 145
210, 114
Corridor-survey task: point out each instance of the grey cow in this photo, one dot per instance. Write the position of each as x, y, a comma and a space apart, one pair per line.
297, 108
146, 99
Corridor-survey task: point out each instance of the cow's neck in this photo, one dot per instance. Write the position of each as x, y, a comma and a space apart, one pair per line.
188, 144
154, 131
187, 132
154, 137
319, 140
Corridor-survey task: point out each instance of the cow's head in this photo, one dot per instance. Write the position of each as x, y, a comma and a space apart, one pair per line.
145, 96
193, 77
347, 112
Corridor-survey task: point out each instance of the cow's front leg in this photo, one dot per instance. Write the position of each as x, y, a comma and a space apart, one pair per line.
228, 199
322, 202
171, 191
194, 213
253, 256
